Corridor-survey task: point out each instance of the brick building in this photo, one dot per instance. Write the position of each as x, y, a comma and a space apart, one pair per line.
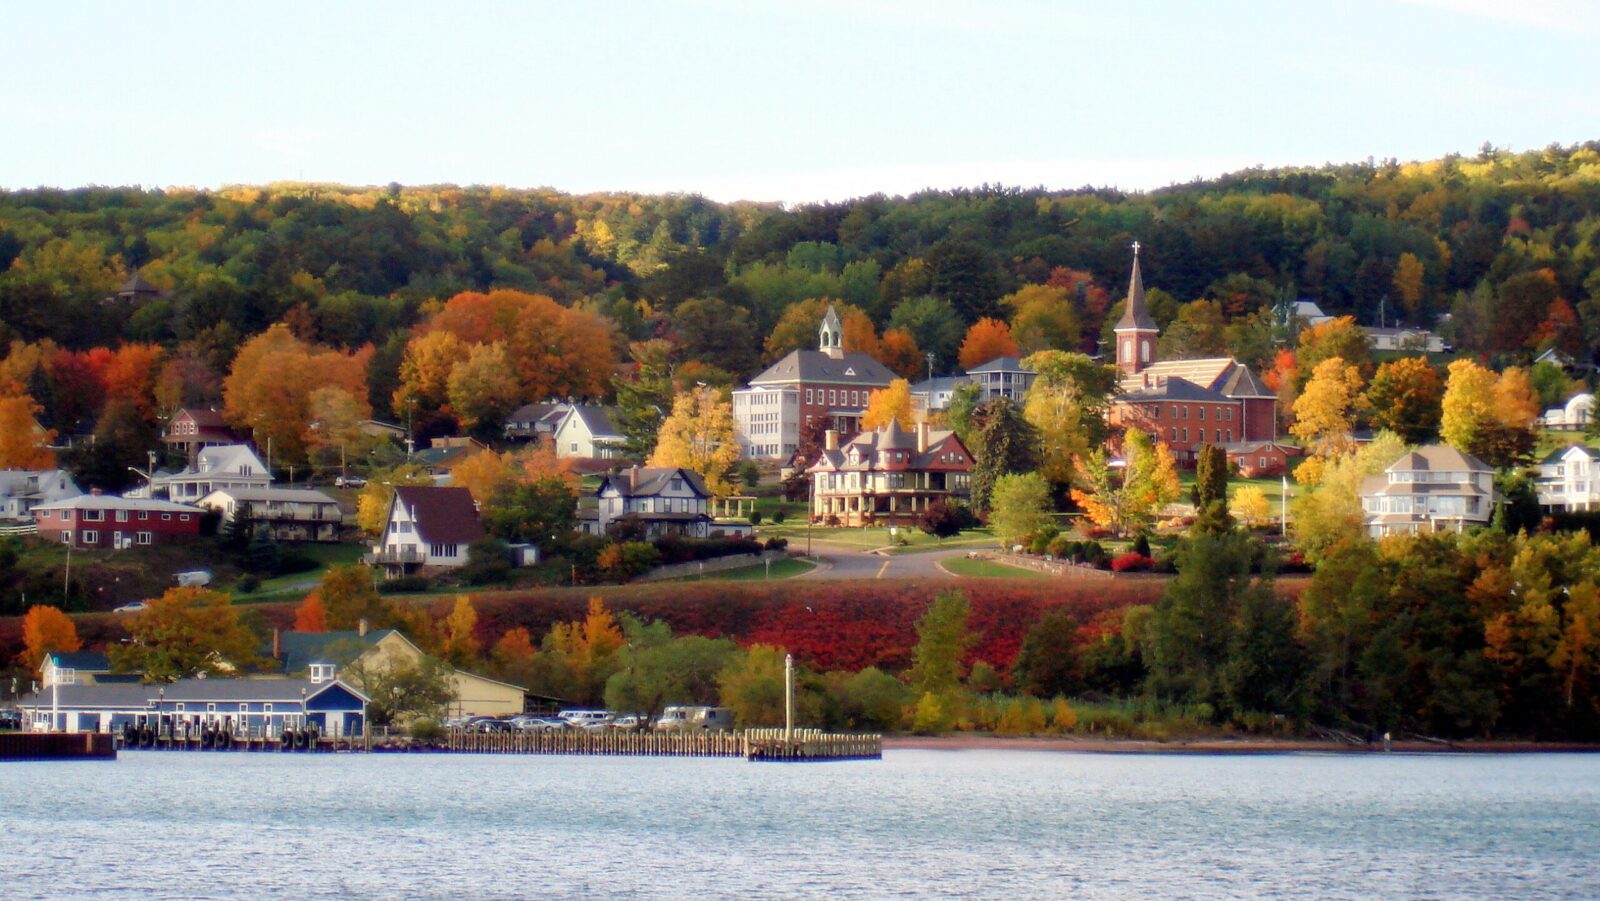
1186, 403
828, 383
888, 476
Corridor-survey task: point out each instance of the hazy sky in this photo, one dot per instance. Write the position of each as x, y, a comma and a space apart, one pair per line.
785, 101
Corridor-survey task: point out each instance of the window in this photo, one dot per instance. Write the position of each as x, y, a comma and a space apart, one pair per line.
573, 447
808, 396
266, 708
1202, 412
94, 515
166, 517
211, 708
677, 484
122, 516
143, 537
1262, 462
143, 515
180, 706
1202, 438
91, 537
442, 550
183, 517
833, 397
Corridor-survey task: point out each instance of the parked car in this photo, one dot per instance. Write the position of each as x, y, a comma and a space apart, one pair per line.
544, 724
586, 718
695, 719
134, 607
633, 722
350, 482
488, 724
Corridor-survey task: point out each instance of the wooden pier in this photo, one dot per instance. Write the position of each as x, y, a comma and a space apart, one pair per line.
751, 744
57, 746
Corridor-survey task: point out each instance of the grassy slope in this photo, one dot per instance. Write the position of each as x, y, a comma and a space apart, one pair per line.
988, 569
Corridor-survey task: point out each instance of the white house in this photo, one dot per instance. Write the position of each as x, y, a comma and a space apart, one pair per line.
428, 527
225, 466
934, 395
667, 500
1569, 479
589, 431
1405, 339
1429, 489
769, 418
1572, 416
293, 514
23, 489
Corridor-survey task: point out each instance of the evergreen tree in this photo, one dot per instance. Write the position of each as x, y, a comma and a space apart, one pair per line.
1191, 627
1005, 443
1210, 491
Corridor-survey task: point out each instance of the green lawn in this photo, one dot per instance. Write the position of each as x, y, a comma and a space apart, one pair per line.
876, 537
781, 569
988, 569
278, 587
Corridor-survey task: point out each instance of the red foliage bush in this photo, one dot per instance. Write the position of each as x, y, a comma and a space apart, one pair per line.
1132, 561
1095, 532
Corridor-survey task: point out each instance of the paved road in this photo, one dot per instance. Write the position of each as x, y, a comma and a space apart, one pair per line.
840, 562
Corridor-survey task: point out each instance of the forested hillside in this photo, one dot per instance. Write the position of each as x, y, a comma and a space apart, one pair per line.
1503, 241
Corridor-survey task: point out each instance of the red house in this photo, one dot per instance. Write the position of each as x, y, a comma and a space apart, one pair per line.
107, 521
192, 430
1185, 403
889, 476
1258, 459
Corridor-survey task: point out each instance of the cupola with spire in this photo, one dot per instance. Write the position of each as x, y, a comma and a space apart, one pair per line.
1136, 332
831, 336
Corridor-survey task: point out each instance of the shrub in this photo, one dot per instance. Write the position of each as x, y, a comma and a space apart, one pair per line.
425, 729
291, 562
1141, 545
755, 517
405, 584
1131, 562
1063, 548
1062, 717
934, 715
778, 516
1095, 532
687, 550
1021, 716
627, 559
248, 583
777, 544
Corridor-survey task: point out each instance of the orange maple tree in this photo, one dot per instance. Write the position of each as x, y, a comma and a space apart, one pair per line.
987, 339
556, 351
46, 630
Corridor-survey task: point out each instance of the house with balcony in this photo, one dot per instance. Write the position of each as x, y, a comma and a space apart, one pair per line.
23, 489
292, 514
214, 468
1433, 488
1001, 377
1573, 416
536, 422
427, 526
1569, 479
666, 500
888, 476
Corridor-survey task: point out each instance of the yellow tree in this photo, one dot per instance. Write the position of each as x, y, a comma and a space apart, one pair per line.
46, 630
1056, 410
1250, 505
698, 435
1149, 482
335, 425
23, 444
1042, 318
183, 633
891, 404
372, 507
460, 632
425, 370
1408, 282
1324, 414
483, 388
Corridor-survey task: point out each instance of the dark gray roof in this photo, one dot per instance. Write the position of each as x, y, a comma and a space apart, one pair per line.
1176, 389
137, 285
83, 661
1242, 382
1136, 316
1000, 364
853, 368
531, 413
939, 383
243, 689
600, 421
299, 650
114, 695
649, 481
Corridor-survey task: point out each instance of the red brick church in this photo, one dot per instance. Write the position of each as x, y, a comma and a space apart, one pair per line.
1186, 403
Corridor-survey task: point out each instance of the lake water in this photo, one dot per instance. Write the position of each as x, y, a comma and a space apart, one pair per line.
993, 824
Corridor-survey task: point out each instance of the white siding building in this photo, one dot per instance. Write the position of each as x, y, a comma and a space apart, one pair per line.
589, 431
1430, 489
23, 489
667, 500
768, 421
225, 466
428, 527
1568, 479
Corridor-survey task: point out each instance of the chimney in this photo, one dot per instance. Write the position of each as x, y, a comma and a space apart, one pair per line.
922, 437
633, 478
830, 440
94, 492
361, 627
277, 644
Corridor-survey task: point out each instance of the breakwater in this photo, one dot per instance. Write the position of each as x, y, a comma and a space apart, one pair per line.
750, 744
57, 746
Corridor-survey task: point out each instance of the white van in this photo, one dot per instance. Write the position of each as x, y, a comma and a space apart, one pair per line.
586, 719
695, 719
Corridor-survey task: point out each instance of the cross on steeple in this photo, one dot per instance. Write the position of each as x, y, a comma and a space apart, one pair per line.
1136, 248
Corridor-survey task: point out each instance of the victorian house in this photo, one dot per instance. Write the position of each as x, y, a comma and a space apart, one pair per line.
1185, 403
828, 384
665, 500
887, 477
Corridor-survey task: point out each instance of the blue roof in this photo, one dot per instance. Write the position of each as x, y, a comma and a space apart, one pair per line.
1000, 364
82, 661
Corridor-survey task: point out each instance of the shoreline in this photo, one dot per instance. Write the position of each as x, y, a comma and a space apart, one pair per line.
1221, 745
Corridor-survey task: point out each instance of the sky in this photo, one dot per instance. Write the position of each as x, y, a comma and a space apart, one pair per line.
794, 101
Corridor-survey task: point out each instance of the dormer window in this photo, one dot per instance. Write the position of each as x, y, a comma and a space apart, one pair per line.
321, 672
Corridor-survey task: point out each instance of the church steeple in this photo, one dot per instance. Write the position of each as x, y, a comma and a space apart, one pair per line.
831, 335
1136, 331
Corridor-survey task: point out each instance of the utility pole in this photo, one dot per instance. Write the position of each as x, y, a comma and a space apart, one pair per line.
788, 698
929, 355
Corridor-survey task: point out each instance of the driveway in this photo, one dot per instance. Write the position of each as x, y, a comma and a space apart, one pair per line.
841, 562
